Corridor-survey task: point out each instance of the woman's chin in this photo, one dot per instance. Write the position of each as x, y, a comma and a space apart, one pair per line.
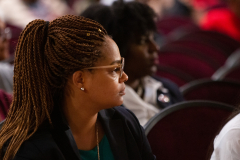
154, 69
120, 102
117, 103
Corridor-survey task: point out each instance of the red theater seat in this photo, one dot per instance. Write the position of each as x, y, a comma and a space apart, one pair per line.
224, 91
186, 130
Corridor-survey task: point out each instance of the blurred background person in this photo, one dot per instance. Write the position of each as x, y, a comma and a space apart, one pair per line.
172, 16
20, 12
224, 19
6, 69
109, 2
132, 27
160, 7
78, 6
198, 8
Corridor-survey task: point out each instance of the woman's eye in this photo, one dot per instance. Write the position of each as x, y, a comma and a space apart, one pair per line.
116, 69
144, 40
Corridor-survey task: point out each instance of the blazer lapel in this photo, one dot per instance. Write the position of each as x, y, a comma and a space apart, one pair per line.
63, 137
66, 144
114, 131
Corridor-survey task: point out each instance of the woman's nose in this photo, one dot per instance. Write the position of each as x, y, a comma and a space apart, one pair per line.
154, 47
124, 77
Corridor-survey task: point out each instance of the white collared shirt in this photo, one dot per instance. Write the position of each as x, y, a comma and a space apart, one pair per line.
227, 143
145, 108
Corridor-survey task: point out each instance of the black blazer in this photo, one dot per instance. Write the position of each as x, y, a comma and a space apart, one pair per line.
56, 142
173, 92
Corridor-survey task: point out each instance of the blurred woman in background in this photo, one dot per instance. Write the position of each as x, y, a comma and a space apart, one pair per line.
132, 27
6, 69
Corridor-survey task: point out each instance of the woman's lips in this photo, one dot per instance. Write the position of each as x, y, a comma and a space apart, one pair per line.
122, 93
156, 62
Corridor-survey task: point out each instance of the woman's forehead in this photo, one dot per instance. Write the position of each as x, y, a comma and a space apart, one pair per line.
148, 34
136, 37
110, 50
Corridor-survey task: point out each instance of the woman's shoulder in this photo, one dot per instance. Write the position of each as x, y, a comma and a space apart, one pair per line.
33, 148
125, 115
227, 142
230, 131
166, 82
119, 112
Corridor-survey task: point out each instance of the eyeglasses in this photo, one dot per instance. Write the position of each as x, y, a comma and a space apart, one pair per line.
5, 34
121, 66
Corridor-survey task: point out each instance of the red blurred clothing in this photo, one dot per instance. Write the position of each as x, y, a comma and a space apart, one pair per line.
222, 20
204, 4
5, 101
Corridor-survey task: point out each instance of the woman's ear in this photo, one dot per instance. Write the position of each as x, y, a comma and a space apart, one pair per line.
78, 79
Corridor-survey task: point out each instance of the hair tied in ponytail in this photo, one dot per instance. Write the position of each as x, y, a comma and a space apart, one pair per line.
46, 31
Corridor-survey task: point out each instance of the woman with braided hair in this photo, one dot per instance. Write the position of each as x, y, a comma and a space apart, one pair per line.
68, 76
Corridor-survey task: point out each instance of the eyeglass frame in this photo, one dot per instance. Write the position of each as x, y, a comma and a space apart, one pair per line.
110, 66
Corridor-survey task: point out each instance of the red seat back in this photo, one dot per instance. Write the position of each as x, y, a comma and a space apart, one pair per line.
186, 130
196, 66
177, 76
5, 101
206, 89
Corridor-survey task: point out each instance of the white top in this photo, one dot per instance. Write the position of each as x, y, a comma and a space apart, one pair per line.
145, 108
6, 77
227, 143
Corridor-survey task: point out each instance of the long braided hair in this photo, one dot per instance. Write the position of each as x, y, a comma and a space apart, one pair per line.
46, 55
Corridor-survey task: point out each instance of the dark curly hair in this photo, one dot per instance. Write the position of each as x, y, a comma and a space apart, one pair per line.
126, 22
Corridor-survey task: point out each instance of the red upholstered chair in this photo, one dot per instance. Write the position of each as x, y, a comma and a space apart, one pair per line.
215, 39
170, 24
216, 55
195, 65
5, 101
233, 59
198, 54
231, 68
228, 73
177, 76
224, 91
186, 130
